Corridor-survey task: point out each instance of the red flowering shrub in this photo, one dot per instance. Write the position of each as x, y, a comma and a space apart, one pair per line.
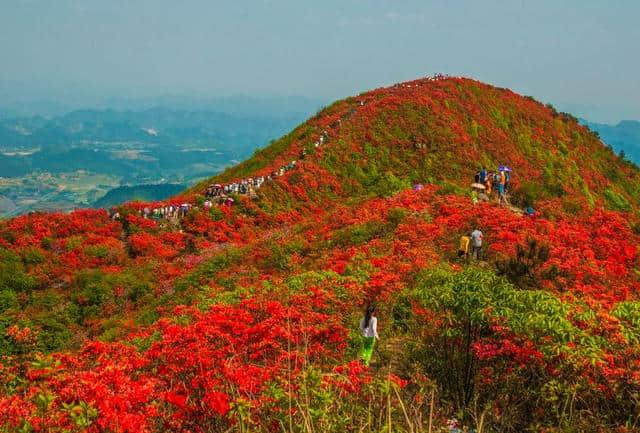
240, 316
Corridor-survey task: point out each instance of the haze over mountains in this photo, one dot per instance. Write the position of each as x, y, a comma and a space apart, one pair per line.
72, 160
624, 136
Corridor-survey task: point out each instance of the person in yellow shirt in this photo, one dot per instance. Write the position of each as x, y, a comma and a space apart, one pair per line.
463, 249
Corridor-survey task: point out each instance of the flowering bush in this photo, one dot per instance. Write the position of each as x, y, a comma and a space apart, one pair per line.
246, 317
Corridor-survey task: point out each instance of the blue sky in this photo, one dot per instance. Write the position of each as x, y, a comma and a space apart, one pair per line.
581, 55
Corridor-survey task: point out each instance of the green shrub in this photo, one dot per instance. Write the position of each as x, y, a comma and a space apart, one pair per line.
527, 194
359, 233
396, 215
8, 300
32, 256
616, 201
97, 251
463, 307
12, 274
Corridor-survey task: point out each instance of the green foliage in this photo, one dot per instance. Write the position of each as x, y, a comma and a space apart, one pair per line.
528, 193
208, 269
12, 273
216, 214
447, 188
396, 215
97, 251
32, 256
279, 258
469, 302
357, 234
615, 201
8, 300
629, 314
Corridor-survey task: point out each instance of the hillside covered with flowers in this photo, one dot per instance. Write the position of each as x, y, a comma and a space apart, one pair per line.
244, 316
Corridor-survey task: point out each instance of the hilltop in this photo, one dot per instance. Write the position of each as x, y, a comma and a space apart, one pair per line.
244, 317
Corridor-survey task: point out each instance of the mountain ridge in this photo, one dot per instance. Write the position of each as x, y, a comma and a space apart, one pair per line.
194, 316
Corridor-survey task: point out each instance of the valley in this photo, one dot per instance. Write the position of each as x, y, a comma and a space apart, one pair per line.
71, 161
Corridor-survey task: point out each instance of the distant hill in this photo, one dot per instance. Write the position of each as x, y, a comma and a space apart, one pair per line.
138, 192
624, 136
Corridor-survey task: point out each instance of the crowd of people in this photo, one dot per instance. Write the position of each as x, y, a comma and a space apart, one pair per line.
489, 183
220, 194
168, 212
217, 193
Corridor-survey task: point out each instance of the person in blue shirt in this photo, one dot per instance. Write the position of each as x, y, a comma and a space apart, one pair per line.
483, 175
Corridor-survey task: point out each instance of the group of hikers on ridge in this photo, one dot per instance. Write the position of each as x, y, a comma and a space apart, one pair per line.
221, 193
487, 184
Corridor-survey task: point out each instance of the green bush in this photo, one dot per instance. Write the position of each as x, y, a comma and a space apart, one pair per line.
359, 233
32, 256
8, 300
464, 307
616, 201
13, 276
527, 194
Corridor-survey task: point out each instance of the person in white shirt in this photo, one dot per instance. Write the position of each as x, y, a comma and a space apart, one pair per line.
369, 329
476, 244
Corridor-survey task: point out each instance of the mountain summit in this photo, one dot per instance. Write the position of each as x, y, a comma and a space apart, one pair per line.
441, 131
239, 305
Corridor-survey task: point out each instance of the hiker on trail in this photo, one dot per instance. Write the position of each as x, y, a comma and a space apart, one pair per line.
489, 183
501, 188
463, 249
184, 208
530, 211
474, 196
476, 178
369, 329
483, 175
476, 244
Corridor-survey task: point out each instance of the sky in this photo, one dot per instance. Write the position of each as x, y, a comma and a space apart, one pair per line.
580, 55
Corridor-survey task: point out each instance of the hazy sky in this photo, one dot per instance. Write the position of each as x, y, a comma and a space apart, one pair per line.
581, 55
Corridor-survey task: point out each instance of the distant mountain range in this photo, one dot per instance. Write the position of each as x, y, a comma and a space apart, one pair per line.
624, 136
156, 125
72, 160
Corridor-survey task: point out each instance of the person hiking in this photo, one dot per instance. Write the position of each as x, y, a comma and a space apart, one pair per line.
463, 248
369, 329
489, 183
476, 244
501, 190
483, 175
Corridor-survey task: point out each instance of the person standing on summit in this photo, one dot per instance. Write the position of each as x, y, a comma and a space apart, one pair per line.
476, 244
